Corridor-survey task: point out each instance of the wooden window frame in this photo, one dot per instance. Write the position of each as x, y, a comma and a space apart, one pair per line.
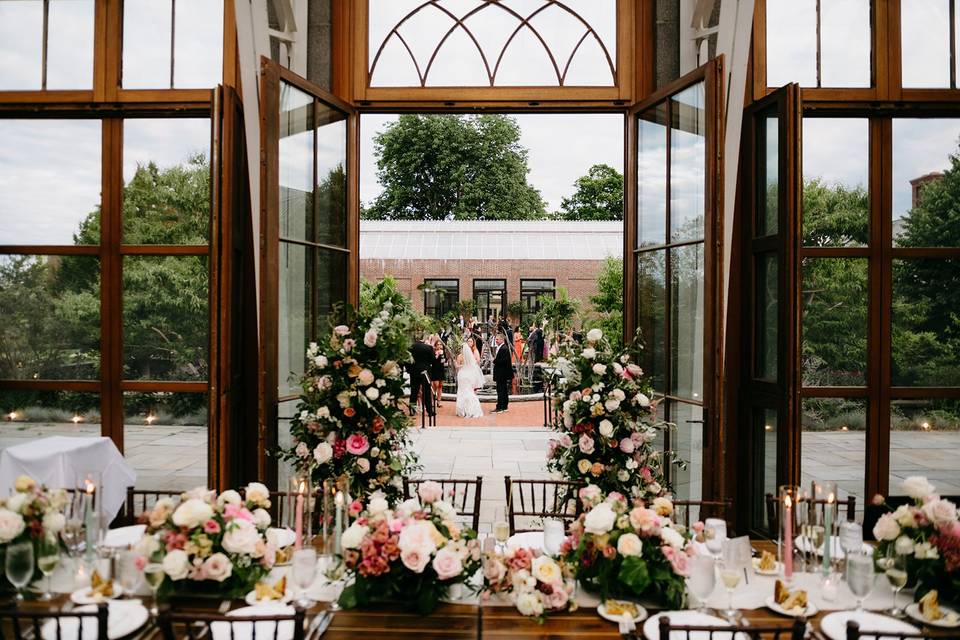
439, 279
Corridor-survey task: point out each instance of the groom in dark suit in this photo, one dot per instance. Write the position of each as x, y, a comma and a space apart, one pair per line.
419, 371
502, 374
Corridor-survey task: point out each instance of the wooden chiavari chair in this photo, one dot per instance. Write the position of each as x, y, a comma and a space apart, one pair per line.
176, 625
541, 499
463, 494
773, 514
794, 631
139, 501
19, 623
682, 509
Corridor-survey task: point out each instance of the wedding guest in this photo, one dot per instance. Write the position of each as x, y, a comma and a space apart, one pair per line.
419, 370
438, 370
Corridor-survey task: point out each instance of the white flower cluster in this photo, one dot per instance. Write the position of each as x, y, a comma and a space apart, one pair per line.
31, 501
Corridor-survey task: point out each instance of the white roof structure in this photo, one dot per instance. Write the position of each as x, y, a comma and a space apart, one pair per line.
490, 240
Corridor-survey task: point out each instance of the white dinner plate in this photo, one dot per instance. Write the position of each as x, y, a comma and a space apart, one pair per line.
811, 609
834, 625
125, 618
245, 630
84, 595
251, 598
777, 566
651, 628
602, 610
913, 610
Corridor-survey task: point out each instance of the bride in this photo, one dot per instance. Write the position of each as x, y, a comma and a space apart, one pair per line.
469, 379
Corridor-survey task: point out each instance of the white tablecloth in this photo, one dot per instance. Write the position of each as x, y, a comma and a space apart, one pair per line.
56, 461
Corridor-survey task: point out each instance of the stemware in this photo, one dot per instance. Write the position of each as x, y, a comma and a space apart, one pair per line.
730, 576
702, 580
304, 572
860, 576
153, 573
501, 533
128, 570
895, 568
715, 532
553, 535
48, 559
18, 565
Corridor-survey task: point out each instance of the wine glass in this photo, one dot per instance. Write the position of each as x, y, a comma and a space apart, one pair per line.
334, 574
304, 572
18, 565
501, 533
860, 576
48, 559
154, 575
730, 576
128, 570
702, 579
895, 568
715, 532
553, 535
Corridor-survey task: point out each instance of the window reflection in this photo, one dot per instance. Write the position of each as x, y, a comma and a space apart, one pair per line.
296, 164
686, 321
31, 414
70, 44
925, 43
925, 441
687, 163
21, 45
768, 200
331, 189
652, 176
687, 442
651, 314
766, 330
295, 328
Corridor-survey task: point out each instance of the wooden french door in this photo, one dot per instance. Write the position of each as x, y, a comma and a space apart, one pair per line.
672, 298
770, 218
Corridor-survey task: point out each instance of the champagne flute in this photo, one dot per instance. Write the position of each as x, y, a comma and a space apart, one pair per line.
153, 573
730, 577
860, 577
702, 579
304, 572
48, 559
18, 565
895, 568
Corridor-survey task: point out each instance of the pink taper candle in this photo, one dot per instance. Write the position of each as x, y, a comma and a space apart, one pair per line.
299, 521
788, 537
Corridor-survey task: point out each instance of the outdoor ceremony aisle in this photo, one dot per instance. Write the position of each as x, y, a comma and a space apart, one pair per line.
521, 414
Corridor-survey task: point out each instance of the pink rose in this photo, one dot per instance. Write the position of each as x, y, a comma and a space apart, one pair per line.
494, 571
697, 526
586, 444
940, 512
140, 562
236, 511
627, 445
357, 444
341, 330
558, 598
430, 491
355, 508
211, 526
348, 344
447, 564
415, 560
677, 560
646, 521
565, 441
303, 450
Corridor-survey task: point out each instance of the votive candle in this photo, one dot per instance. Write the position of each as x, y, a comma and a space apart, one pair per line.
788, 538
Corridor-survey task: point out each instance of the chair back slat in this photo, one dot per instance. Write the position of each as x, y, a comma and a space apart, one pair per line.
24, 623
683, 509
464, 494
854, 632
179, 624
557, 499
793, 631
139, 501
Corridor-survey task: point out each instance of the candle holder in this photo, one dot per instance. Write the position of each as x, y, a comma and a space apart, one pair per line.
333, 503
789, 506
824, 513
299, 508
90, 491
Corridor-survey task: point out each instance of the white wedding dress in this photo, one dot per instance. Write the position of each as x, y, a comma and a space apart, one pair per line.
469, 378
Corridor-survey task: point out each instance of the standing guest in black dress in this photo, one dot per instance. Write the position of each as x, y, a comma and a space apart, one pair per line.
438, 369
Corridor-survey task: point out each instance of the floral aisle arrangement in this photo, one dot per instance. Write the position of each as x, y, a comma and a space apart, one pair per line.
535, 583
210, 543
628, 552
609, 422
928, 533
411, 554
351, 423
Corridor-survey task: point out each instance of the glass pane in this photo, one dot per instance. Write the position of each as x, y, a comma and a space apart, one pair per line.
331, 284
686, 321
688, 444
21, 45
765, 427
925, 43
296, 164
69, 44
198, 44
165, 317
652, 176
833, 444
285, 413
331, 177
791, 42
440, 296
925, 209
166, 175
28, 415
836, 162
768, 200
688, 159
767, 317
50, 195
165, 439
146, 44
490, 297
925, 331
925, 441
834, 332
50, 307
844, 43
651, 312
295, 330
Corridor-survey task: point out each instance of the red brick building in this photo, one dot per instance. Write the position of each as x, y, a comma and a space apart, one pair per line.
495, 263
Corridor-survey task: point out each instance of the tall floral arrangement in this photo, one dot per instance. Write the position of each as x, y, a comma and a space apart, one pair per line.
634, 552
928, 533
609, 422
351, 421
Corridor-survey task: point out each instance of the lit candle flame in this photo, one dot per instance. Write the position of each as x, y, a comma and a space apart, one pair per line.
76, 419
338, 498
787, 502
830, 498
302, 488
90, 486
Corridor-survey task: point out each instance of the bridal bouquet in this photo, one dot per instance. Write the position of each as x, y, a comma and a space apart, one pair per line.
31, 512
210, 543
535, 583
350, 423
628, 552
412, 554
928, 532
609, 422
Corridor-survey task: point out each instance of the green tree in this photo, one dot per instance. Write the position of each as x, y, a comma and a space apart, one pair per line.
608, 301
598, 196
441, 167
559, 312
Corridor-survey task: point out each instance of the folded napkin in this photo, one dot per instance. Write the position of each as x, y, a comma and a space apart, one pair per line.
281, 537
124, 537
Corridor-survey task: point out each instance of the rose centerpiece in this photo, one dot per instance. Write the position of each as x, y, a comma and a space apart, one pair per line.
31, 513
412, 554
928, 533
631, 552
609, 422
209, 543
535, 583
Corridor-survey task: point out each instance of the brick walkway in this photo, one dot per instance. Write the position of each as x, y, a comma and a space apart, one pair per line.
520, 414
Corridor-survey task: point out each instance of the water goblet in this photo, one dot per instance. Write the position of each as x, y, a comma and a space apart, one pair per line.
18, 565
553, 535
860, 576
48, 559
153, 573
702, 579
128, 570
333, 571
895, 569
715, 532
730, 576
304, 572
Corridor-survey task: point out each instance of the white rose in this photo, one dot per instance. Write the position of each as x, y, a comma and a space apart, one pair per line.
320, 361
147, 546
366, 377
192, 513
623, 475
612, 405
323, 452
445, 510
176, 564
940, 512
378, 504
886, 528
53, 522
606, 428
629, 544
642, 400
600, 519
11, 525
363, 465
594, 335
418, 536
917, 487
375, 452
241, 537
218, 567
905, 516
925, 551
354, 535
672, 537
904, 546
229, 497
619, 394
323, 413
261, 519
16, 501
370, 338
529, 604
407, 508
545, 569
372, 393
599, 369
589, 353
257, 493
